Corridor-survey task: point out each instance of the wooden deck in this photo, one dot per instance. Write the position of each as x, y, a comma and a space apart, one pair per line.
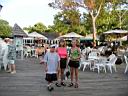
29, 81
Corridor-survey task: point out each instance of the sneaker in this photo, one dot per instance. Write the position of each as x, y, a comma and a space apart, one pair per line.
13, 72
63, 84
50, 88
58, 85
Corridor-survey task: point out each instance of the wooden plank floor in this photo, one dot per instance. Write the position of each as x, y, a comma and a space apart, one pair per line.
29, 81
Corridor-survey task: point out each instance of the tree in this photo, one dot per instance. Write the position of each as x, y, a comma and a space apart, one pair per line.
68, 21
38, 27
92, 6
120, 7
60, 24
5, 29
29, 29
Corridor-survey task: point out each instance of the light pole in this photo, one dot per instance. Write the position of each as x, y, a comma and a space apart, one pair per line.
1, 7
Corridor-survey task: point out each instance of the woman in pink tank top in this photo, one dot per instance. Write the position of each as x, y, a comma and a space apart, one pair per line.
62, 51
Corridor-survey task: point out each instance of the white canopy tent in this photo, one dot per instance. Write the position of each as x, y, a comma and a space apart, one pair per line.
37, 35
71, 35
32, 37
125, 38
116, 32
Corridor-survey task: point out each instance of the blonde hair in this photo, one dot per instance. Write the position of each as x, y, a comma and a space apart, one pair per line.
77, 42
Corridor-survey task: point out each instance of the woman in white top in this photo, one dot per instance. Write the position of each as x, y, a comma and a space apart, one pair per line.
4, 53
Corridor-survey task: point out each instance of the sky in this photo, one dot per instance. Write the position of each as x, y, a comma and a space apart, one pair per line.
27, 12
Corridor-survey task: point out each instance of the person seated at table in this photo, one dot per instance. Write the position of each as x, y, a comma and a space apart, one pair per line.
40, 51
27, 51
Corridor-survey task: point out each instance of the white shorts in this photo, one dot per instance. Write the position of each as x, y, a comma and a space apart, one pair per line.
11, 61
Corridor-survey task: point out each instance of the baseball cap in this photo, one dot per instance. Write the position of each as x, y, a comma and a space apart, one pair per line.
52, 46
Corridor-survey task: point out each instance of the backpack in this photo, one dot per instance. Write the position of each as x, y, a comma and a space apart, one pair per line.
118, 61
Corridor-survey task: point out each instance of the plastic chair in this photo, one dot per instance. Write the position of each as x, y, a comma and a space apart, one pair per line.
103, 64
27, 53
126, 61
111, 64
84, 62
99, 66
93, 55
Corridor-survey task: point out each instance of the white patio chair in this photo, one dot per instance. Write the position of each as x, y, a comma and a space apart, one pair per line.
111, 64
82, 59
84, 62
101, 48
103, 63
111, 56
34, 53
27, 52
105, 59
93, 55
99, 66
126, 61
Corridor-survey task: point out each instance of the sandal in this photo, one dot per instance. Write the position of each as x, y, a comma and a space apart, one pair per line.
58, 85
70, 85
50, 88
63, 84
76, 85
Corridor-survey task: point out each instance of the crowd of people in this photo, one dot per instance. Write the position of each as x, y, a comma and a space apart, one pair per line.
57, 59
7, 55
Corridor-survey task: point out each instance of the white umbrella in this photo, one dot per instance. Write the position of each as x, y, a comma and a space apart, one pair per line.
37, 35
71, 35
116, 32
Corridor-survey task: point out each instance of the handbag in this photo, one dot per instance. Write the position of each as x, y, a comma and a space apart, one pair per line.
67, 74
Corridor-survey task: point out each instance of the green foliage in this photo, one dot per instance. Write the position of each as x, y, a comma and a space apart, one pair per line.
68, 21
5, 29
38, 27
113, 14
99, 16
125, 43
